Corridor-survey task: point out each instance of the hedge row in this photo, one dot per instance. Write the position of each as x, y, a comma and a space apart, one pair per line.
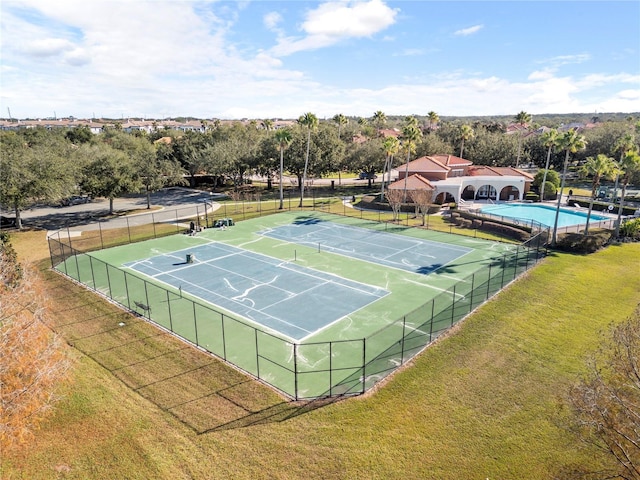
580, 243
602, 206
466, 220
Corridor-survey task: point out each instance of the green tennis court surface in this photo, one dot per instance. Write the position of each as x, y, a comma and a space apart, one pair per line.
289, 299
312, 303
414, 255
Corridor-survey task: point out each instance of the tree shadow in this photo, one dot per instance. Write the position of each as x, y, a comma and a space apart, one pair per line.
195, 387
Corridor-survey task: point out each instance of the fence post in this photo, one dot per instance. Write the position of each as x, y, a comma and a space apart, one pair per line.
255, 330
66, 271
195, 322
488, 282
93, 277
504, 267
100, 230
224, 340
75, 255
433, 308
109, 281
295, 371
330, 368
50, 252
404, 325
146, 296
453, 305
473, 278
364, 365
153, 222
168, 308
126, 289
128, 229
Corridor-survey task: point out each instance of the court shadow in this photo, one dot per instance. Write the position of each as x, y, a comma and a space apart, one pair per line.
426, 270
305, 220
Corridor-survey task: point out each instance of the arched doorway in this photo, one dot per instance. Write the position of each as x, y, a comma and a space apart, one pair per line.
468, 193
486, 192
444, 197
510, 192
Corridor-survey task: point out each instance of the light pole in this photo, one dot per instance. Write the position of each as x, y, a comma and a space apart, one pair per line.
206, 216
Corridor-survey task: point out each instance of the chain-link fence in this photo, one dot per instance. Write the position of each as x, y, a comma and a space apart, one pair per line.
302, 370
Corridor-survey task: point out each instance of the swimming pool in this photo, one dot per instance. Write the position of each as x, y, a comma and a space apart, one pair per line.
543, 214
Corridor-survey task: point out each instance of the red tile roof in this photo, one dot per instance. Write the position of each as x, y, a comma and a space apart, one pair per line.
451, 160
414, 182
478, 170
426, 164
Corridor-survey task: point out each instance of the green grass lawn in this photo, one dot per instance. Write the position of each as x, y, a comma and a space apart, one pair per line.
487, 401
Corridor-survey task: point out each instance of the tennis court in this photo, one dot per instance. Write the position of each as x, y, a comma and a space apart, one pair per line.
289, 299
313, 304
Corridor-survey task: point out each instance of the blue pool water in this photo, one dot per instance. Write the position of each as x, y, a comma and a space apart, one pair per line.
543, 214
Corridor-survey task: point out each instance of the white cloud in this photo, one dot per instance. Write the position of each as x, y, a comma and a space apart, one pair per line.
48, 47
77, 57
410, 52
560, 60
468, 31
541, 74
169, 58
271, 20
335, 21
349, 19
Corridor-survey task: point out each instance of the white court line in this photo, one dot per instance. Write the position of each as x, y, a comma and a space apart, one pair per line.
321, 281
215, 295
462, 251
433, 287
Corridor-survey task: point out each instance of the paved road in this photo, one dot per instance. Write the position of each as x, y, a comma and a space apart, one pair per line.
84, 217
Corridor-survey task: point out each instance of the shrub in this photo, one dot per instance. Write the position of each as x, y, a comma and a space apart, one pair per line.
580, 243
506, 230
631, 229
534, 197
552, 180
550, 190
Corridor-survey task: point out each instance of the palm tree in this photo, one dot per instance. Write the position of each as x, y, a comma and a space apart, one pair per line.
267, 124
624, 145
629, 165
571, 142
341, 120
310, 121
391, 146
598, 166
466, 133
284, 139
433, 119
551, 140
379, 118
410, 136
522, 119
411, 121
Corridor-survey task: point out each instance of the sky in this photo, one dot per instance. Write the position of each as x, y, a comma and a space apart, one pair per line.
280, 59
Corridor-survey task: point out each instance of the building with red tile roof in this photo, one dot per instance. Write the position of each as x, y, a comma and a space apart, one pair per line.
455, 179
